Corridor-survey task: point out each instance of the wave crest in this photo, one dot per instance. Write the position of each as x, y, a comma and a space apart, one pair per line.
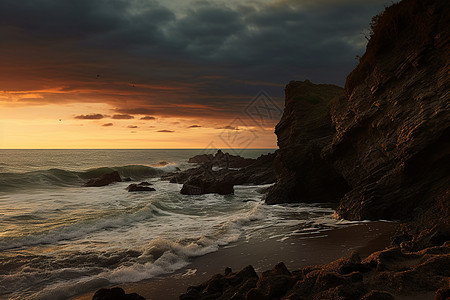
64, 178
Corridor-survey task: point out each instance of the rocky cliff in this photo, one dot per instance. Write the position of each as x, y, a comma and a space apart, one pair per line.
380, 149
303, 131
386, 155
392, 125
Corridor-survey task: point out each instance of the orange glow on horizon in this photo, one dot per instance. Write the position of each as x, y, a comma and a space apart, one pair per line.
53, 126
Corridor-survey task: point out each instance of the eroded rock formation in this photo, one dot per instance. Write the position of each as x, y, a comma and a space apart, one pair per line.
104, 179
220, 172
303, 131
386, 154
382, 275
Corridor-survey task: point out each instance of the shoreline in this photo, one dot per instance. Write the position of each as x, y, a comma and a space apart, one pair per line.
296, 251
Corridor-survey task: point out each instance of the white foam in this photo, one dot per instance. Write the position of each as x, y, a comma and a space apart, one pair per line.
167, 263
80, 229
171, 167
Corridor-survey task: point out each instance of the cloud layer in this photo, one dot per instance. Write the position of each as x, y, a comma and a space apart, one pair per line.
203, 59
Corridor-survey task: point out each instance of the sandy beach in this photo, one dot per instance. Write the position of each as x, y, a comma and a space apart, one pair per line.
295, 251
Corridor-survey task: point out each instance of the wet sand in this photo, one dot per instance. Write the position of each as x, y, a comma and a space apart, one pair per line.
296, 251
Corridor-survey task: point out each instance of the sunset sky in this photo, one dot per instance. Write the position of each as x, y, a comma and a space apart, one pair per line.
166, 74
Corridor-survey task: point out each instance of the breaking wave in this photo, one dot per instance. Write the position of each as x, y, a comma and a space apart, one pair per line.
64, 178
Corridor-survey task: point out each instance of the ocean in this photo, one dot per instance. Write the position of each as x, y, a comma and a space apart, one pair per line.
59, 239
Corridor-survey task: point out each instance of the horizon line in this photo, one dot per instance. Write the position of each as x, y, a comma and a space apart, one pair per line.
199, 148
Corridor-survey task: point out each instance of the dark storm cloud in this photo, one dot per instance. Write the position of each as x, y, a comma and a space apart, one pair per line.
194, 126
205, 30
122, 117
165, 130
207, 58
90, 117
147, 118
132, 126
136, 111
83, 20
107, 124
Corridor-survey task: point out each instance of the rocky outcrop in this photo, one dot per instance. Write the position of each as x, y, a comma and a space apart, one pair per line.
208, 184
383, 275
140, 187
224, 286
222, 160
392, 140
104, 179
303, 131
381, 149
213, 175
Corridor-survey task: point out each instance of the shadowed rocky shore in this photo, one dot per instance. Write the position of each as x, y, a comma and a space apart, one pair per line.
218, 173
379, 276
379, 149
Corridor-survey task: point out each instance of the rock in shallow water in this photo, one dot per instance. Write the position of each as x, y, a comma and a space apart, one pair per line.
103, 180
222, 160
206, 185
141, 187
205, 179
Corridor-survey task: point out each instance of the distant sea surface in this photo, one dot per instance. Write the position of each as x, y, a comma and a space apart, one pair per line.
59, 239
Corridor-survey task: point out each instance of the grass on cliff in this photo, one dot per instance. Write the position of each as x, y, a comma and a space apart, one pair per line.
404, 25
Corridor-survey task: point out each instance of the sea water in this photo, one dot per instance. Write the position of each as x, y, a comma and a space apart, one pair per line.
59, 239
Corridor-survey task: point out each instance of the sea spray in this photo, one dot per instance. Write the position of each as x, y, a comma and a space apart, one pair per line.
59, 239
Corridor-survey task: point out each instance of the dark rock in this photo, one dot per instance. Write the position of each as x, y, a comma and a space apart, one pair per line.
222, 160
191, 295
430, 228
281, 269
228, 286
247, 272
126, 179
252, 171
109, 294
207, 185
255, 294
103, 180
278, 286
215, 284
261, 171
381, 150
381, 147
392, 140
388, 273
140, 187
204, 180
244, 288
443, 293
303, 131
256, 171
327, 280
133, 296
115, 293
347, 265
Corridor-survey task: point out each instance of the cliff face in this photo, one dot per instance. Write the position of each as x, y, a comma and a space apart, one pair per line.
305, 128
392, 126
389, 149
